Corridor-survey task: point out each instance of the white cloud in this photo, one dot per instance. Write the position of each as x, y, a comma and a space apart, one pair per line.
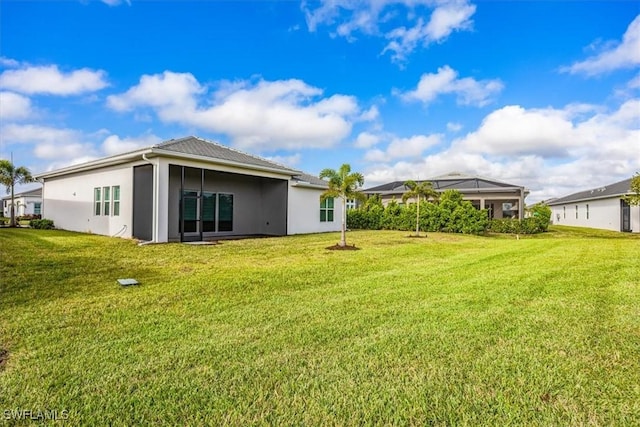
366, 140
8, 62
624, 55
468, 90
171, 93
446, 18
115, 2
61, 150
50, 80
513, 130
113, 144
64, 146
449, 17
49, 143
553, 152
371, 114
14, 106
404, 148
454, 127
407, 24
258, 116
35, 134
634, 83
288, 161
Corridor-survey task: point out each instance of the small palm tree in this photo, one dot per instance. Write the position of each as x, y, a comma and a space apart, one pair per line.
10, 175
416, 191
344, 185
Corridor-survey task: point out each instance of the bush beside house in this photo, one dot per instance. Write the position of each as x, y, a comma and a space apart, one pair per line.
42, 224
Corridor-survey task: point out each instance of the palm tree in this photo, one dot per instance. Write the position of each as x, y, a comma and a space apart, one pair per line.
416, 191
10, 175
344, 185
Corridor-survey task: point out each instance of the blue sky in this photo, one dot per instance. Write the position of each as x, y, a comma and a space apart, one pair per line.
544, 94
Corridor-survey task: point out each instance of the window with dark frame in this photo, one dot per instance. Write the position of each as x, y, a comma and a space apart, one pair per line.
115, 194
97, 201
326, 210
106, 200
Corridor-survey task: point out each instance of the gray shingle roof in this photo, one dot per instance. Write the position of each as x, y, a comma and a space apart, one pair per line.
612, 190
36, 192
452, 181
200, 147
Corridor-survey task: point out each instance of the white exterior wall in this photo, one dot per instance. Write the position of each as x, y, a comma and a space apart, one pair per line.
303, 215
68, 201
604, 214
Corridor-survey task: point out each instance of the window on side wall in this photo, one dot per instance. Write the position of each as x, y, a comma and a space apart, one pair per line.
326, 210
576, 211
587, 211
37, 208
106, 200
97, 201
115, 193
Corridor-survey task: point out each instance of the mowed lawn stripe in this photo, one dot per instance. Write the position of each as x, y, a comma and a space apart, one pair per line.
442, 330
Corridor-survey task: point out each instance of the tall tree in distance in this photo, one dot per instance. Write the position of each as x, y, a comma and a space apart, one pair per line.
10, 176
343, 184
634, 197
417, 191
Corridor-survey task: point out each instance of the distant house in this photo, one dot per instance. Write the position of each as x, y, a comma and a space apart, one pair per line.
601, 207
184, 190
26, 203
502, 200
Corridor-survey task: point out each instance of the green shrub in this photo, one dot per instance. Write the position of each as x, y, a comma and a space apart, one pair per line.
451, 214
532, 225
42, 224
542, 214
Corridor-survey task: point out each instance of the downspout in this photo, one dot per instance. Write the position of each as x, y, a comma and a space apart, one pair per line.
154, 217
42, 206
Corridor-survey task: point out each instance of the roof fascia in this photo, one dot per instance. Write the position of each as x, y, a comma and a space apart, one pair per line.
586, 199
100, 163
309, 185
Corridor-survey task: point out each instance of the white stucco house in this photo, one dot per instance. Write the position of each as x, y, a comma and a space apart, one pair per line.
501, 199
602, 207
186, 189
26, 203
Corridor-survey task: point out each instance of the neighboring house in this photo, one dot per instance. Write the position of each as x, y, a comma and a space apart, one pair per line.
501, 200
601, 207
186, 189
26, 203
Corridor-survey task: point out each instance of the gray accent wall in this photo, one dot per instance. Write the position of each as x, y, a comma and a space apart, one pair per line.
259, 204
143, 202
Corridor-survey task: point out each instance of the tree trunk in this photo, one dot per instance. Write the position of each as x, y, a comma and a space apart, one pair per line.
343, 234
12, 222
418, 218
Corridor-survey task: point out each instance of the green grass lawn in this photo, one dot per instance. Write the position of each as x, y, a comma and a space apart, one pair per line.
447, 330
